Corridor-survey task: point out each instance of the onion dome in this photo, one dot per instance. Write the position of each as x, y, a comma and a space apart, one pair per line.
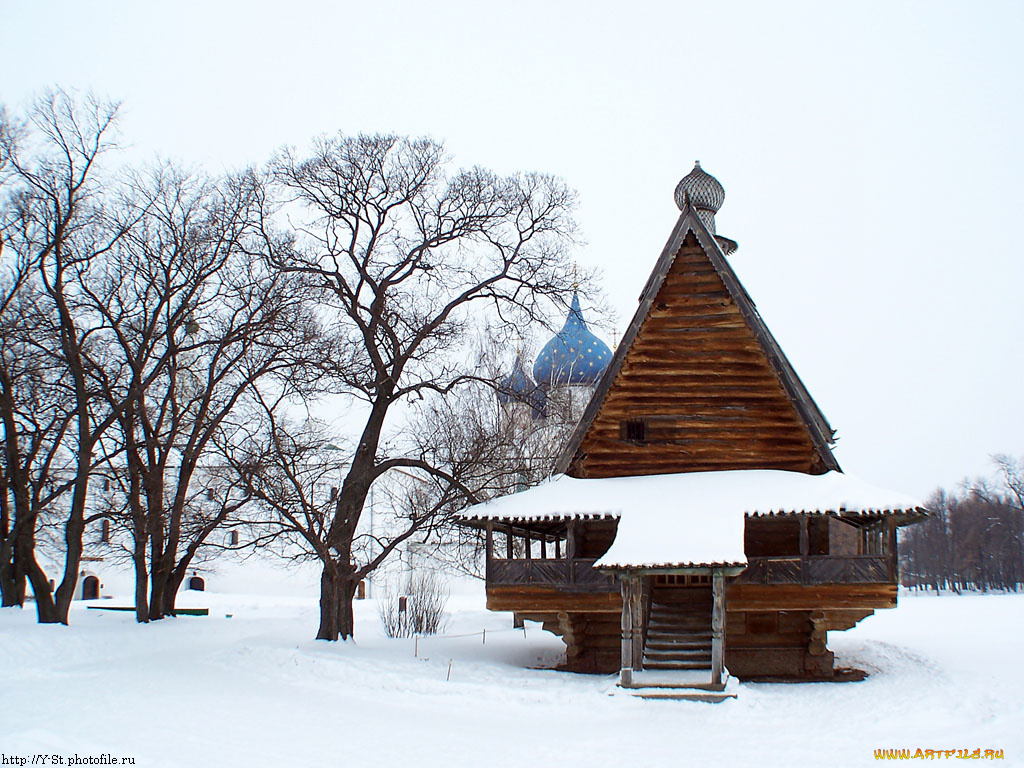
518, 387
705, 194
574, 355
705, 191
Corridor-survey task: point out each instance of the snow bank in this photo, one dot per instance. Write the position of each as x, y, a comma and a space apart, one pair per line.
255, 690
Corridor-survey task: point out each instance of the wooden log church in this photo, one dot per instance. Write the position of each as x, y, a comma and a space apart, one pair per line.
698, 525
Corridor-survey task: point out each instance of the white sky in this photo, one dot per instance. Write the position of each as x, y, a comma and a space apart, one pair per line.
871, 155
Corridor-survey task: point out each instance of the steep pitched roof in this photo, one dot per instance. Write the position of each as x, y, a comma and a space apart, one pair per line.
699, 369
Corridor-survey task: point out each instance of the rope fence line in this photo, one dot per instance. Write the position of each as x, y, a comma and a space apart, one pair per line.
482, 634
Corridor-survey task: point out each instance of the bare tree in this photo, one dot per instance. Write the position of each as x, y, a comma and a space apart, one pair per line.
54, 226
36, 410
974, 539
190, 322
406, 258
294, 472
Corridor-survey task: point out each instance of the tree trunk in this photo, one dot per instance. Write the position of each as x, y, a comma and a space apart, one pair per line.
7, 587
346, 619
74, 530
141, 582
172, 586
337, 591
159, 568
330, 602
24, 555
7, 590
158, 583
47, 611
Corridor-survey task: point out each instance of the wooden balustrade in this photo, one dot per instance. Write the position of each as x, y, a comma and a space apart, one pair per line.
820, 569
577, 573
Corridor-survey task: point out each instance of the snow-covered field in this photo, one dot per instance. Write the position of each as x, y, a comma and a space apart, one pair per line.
253, 689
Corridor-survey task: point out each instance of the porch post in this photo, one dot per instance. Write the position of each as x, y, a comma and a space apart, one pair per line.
637, 609
894, 555
805, 548
717, 625
570, 549
490, 551
626, 662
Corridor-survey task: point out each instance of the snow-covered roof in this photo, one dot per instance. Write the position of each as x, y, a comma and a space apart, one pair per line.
690, 519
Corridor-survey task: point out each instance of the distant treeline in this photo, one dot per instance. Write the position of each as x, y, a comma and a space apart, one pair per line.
974, 539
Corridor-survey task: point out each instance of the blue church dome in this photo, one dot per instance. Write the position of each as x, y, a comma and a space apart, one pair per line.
574, 355
518, 387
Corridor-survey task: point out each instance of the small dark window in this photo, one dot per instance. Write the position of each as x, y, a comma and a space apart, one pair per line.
209, 494
105, 531
334, 492
233, 538
106, 483
634, 430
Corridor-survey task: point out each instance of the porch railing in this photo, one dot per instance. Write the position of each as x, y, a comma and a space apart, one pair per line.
577, 573
820, 569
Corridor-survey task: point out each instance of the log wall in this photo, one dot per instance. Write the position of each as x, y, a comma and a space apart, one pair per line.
699, 380
592, 641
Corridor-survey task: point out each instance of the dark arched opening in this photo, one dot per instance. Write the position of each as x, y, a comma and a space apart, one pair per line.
91, 588
197, 583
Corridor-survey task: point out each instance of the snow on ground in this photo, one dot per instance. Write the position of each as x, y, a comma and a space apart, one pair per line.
253, 689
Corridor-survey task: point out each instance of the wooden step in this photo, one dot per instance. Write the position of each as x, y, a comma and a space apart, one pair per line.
685, 605
657, 664
703, 605
681, 653
702, 656
662, 614
677, 643
679, 636
663, 634
679, 685
658, 610
680, 618
680, 626
682, 694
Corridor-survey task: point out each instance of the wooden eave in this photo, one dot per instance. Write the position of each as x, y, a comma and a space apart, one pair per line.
543, 524
817, 427
856, 516
673, 569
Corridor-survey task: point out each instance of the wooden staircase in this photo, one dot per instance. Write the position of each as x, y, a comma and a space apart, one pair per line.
679, 636
677, 648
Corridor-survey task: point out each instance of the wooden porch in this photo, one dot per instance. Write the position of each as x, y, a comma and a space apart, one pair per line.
805, 575
558, 554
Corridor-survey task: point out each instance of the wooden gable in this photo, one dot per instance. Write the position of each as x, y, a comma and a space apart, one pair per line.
698, 382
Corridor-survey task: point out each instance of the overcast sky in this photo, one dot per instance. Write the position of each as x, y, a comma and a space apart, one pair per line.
870, 152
